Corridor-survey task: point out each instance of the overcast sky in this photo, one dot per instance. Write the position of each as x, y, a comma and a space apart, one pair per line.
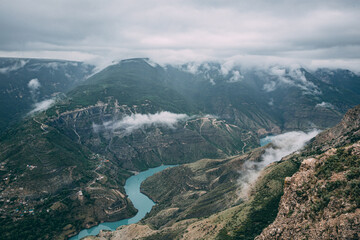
312, 32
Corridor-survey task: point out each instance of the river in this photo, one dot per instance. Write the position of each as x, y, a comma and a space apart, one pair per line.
141, 202
266, 140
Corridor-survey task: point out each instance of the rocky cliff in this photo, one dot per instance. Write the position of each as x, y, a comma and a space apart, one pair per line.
321, 201
204, 200
68, 163
311, 194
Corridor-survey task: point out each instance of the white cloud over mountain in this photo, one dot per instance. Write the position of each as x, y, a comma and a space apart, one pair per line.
42, 106
283, 145
324, 105
17, 65
128, 124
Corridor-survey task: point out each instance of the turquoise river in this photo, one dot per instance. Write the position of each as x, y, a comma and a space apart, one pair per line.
141, 202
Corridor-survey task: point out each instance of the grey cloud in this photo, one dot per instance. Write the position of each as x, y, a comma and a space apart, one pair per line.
34, 86
270, 86
170, 31
271, 102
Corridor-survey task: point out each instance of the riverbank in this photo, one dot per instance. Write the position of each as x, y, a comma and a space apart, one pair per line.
140, 201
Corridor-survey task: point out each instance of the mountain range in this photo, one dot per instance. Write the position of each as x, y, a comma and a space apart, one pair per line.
71, 137
26, 83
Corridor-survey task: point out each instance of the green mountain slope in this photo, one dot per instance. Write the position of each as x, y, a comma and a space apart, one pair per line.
322, 195
76, 168
43, 173
69, 163
52, 77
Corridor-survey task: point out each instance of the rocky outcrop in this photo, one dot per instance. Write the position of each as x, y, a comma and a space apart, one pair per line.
345, 132
321, 201
70, 161
318, 206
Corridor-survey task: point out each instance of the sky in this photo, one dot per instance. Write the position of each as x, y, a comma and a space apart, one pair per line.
313, 33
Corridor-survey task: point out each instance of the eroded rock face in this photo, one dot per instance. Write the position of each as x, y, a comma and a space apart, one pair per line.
190, 139
321, 200
59, 146
347, 131
134, 231
200, 200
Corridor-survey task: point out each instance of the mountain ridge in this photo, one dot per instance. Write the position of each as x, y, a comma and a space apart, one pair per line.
318, 189
49, 78
98, 129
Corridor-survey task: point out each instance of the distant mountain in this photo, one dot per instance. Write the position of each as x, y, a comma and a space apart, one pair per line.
288, 98
292, 98
69, 159
27, 82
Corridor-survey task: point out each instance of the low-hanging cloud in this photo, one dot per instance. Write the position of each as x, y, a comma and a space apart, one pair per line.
325, 105
198, 68
270, 86
192, 67
34, 86
227, 71
128, 124
283, 145
289, 76
42, 106
236, 77
271, 102
17, 65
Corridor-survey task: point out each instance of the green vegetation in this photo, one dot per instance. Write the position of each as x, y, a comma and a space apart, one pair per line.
44, 224
54, 76
244, 219
347, 163
263, 206
131, 85
51, 168
163, 236
52, 155
338, 163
